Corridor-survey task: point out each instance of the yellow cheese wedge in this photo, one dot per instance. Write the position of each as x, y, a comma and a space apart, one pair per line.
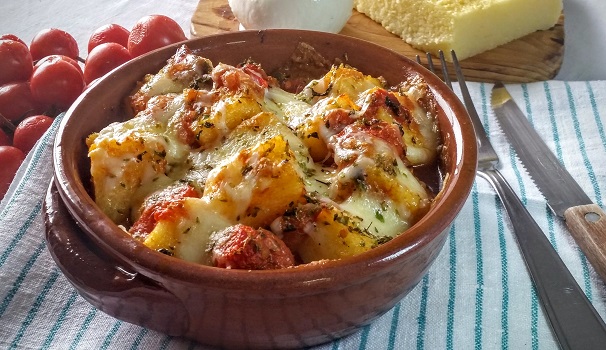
467, 26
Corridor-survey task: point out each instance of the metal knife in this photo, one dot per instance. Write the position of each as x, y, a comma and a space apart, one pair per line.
585, 219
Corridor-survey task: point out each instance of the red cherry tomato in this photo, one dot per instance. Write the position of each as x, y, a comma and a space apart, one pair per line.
10, 158
51, 58
17, 102
109, 33
243, 247
104, 58
153, 32
12, 37
29, 131
5, 140
166, 205
57, 83
15, 62
53, 41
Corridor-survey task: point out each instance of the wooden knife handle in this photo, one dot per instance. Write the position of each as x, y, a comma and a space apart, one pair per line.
587, 224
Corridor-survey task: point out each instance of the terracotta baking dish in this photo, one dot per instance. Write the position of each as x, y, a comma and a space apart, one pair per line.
288, 308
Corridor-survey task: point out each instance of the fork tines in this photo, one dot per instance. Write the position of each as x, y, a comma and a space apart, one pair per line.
446, 78
444, 67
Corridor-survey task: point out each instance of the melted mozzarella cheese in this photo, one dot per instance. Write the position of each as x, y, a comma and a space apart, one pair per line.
262, 166
132, 159
379, 216
188, 237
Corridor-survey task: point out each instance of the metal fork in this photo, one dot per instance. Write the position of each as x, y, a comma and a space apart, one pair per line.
573, 319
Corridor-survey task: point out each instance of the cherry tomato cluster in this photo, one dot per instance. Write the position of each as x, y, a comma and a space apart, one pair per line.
41, 80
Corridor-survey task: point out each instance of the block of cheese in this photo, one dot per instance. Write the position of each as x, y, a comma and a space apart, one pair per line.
467, 26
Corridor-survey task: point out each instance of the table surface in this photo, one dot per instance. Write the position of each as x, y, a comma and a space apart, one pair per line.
585, 46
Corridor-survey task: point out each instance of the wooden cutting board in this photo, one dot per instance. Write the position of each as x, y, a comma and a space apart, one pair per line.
535, 57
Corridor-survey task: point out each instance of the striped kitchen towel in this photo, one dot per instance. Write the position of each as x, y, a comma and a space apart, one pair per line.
477, 295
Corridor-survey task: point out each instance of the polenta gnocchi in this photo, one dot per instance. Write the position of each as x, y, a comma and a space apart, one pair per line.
221, 166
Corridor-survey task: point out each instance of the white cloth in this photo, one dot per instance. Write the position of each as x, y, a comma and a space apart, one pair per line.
476, 295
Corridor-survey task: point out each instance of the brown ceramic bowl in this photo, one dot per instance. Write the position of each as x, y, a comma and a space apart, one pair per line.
296, 307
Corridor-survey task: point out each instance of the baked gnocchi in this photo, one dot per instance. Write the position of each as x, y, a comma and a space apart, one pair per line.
221, 166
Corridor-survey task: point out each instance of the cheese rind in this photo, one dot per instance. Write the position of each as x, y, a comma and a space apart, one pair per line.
469, 27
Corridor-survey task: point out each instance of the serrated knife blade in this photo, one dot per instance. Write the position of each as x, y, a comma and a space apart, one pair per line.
585, 220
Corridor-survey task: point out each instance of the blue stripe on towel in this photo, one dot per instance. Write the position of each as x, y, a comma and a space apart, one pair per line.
452, 288
393, 330
60, 319
20, 233
596, 115
34, 309
527, 102
534, 320
83, 328
17, 284
364, 337
110, 335
599, 124
554, 126
479, 268
166, 341
583, 149
504, 278
139, 338
422, 318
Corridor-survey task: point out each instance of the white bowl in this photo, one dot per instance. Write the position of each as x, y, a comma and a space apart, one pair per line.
321, 15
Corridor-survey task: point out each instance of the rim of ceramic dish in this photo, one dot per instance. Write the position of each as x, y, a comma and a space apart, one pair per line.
150, 263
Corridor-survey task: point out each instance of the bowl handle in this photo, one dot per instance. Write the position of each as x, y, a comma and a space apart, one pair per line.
130, 297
